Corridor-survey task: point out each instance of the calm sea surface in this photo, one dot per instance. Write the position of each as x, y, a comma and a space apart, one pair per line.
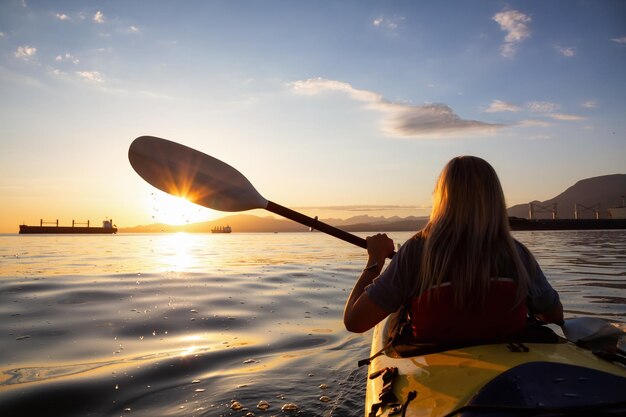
200, 324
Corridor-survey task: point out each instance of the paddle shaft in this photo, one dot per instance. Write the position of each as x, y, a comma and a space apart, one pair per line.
316, 224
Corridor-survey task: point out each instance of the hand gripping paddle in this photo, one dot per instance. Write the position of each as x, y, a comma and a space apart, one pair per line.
209, 182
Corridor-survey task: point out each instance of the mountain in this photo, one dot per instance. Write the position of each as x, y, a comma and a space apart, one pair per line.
239, 222
606, 190
253, 224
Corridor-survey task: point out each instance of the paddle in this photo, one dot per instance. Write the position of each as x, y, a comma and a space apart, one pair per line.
585, 329
209, 182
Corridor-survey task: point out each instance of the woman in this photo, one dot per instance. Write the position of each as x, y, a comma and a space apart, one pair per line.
462, 277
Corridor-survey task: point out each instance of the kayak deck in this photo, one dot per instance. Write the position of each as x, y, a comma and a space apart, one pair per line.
446, 381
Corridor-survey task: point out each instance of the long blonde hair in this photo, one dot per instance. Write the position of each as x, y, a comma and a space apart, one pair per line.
468, 238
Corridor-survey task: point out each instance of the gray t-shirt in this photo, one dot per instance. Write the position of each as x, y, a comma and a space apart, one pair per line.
398, 283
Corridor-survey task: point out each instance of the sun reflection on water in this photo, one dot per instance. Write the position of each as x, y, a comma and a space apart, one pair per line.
180, 252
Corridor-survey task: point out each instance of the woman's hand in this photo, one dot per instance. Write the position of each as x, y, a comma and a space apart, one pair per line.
379, 248
361, 313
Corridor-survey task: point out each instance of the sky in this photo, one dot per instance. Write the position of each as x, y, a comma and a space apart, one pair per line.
331, 108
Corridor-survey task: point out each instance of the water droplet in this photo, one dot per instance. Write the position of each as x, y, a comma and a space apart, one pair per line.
324, 386
324, 398
235, 405
195, 381
200, 390
263, 405
249, 361
289, 407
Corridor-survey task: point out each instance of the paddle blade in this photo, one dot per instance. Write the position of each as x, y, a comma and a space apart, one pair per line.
583, 329
193, 175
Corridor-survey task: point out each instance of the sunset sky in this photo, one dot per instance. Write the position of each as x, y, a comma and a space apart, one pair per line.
333, 108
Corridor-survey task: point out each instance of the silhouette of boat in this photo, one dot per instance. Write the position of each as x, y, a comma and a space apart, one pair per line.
221, 229
76, 228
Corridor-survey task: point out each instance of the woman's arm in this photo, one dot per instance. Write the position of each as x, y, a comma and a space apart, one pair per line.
361, 313
554, 315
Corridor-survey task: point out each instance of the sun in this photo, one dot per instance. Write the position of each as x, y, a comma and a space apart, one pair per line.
172, 210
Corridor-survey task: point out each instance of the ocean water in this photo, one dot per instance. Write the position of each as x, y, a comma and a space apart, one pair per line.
218, 325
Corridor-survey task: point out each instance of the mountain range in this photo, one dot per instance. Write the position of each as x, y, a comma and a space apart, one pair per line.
602, 192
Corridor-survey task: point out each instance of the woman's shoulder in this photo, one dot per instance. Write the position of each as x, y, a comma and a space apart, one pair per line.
415, 243
523, 251
526, 256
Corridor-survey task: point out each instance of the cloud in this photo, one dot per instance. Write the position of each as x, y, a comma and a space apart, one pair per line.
534, 123
25, 52
566, 117
134, 29
515, 24
98, 17
389, 23
548, 109
62, 16
621, 40
542, 106
568, 52
498, 106
367, 207
590, 104
401, 119
93, 76
67, 57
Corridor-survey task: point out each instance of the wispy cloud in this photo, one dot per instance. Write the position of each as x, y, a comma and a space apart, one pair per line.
515, 24
67, 57
98, 17
542, 106
565, 51
389, 23
548, 109
590, 104
401, 119
360, 208
62, 16
566, 117
498, 106
93, 76
25, 52
134, 29
620, 40
533, 123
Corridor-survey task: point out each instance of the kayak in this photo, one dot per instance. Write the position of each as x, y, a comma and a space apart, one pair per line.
500, 379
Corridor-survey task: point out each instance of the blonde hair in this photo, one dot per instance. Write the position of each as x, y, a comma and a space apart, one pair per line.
468, 239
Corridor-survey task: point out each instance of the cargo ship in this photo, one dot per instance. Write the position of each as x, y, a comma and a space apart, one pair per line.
519, 224
221, 229
76, 228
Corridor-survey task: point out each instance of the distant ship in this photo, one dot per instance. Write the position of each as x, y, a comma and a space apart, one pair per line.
107, 228
221, 229
618, 212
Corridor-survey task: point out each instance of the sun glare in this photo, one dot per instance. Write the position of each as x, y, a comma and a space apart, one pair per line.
177, 211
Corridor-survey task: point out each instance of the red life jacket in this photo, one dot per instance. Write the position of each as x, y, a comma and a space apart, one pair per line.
436, 318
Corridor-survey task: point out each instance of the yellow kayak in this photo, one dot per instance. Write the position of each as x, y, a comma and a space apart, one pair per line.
492, 380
